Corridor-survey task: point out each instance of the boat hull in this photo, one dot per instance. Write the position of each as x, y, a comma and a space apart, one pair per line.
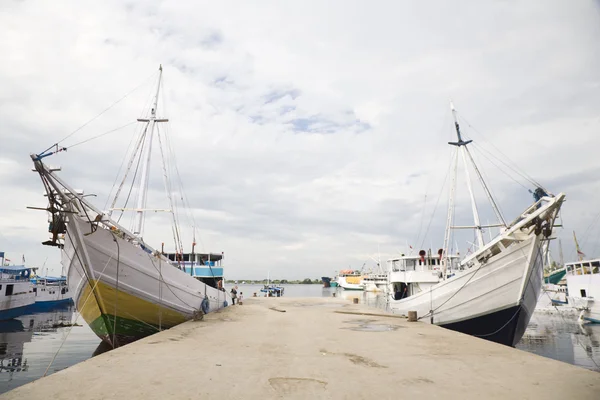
346, 285
17, 303
128, 293
494, 301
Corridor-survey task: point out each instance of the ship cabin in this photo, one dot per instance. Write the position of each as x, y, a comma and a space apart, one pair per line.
409, 275
206, 267
583, 279
586, 267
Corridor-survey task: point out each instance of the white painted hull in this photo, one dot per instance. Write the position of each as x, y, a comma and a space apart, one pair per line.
349, 286
509, 280
551, 296
22, 297
52, 294
589, 306
371, 287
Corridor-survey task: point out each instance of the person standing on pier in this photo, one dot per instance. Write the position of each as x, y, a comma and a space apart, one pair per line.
233, 295
240, 298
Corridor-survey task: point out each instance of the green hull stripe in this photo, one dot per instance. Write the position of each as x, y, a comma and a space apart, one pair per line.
105, 324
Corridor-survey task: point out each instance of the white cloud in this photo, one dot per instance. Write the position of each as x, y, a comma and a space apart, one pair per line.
307, 133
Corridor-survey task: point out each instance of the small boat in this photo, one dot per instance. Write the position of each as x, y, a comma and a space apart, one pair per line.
51, 291
273, 291
375, 282
583, 289
333, 283
555, 276
326, 281
351, 279
16, 290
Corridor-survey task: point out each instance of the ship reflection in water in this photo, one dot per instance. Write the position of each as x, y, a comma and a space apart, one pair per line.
563, 339
29, 342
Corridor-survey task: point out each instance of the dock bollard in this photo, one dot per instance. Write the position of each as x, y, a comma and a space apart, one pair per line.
412, 316
355, 300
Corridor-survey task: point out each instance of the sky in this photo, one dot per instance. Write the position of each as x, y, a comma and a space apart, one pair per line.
309, 136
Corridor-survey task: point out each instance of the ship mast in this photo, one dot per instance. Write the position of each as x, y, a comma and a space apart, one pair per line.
466, 157
147, 155
580, 254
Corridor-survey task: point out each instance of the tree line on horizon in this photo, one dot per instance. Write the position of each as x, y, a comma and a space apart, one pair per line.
306, 281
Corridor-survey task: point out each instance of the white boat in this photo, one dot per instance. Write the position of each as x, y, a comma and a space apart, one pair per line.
350, 280
552, 296
375, 282
493, 291
583, 288
16, 290
50, 291
124, 288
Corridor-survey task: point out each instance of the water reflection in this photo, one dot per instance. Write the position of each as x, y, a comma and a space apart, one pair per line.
16, 332
29, 342
563, 338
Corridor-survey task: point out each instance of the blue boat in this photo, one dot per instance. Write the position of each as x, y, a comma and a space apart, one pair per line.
273, 291
16, 290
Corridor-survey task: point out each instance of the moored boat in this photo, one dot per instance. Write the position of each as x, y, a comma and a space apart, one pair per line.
583, 289
123, 287
350, 280
492, 292
16, 290
51, 291
375, 282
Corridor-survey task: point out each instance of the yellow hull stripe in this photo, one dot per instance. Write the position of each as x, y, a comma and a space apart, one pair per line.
128, 307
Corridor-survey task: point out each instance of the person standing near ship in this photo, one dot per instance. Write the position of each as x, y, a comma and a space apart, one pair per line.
233, 295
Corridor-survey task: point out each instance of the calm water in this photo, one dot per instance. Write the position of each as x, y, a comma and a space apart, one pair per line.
29, 343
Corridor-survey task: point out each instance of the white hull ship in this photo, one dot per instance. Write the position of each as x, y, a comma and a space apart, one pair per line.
123, 288
583, 289
350, 280
16, 290
375, 282
51, 291
493, 292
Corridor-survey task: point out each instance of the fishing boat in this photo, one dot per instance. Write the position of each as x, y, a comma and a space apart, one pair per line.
326, 281
271, 290
492, 292
583, 289
16, 290
375, 282
51, 291
350, 279
124, 288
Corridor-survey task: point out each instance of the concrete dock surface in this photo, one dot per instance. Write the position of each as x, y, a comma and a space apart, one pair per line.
317, 348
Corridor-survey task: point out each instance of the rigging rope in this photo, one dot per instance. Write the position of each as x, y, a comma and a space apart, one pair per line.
102, 134
516, 168
438, 199
102, 112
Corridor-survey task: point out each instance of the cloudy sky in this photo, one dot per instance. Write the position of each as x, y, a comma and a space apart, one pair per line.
309, 135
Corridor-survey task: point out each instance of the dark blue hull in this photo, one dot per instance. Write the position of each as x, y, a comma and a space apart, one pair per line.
15, 312
47, 305
505, 326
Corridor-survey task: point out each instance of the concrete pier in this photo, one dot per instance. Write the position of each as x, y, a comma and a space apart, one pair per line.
289, 348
